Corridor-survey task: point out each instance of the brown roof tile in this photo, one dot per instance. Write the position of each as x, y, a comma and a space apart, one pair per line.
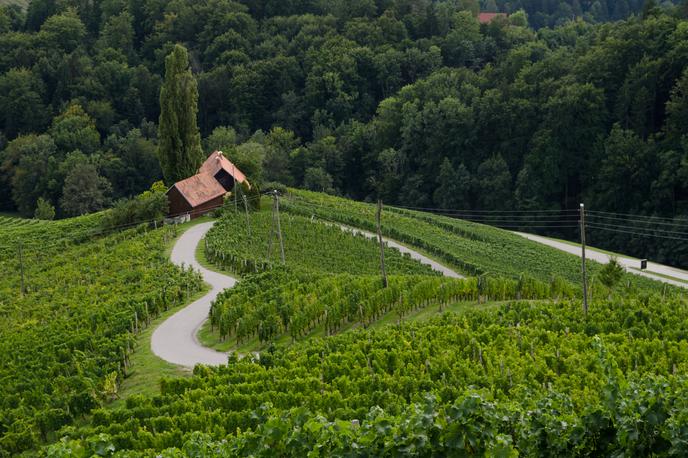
217, 161
199, 189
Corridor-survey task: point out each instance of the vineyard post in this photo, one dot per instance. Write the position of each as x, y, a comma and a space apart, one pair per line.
378, 217
279, 228
21, 268
585, 280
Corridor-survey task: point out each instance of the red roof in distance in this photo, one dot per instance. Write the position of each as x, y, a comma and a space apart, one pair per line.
486, 18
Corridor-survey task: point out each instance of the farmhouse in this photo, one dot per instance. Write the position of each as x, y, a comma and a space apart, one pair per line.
486, 18
206, 190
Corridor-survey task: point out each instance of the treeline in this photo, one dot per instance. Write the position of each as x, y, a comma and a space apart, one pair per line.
554, 13
80, 82
412, 101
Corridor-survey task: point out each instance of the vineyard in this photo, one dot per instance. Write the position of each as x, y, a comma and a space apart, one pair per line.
528, 373
38, 235
66, 340
526, 377
309, 246
281, 302
472, 248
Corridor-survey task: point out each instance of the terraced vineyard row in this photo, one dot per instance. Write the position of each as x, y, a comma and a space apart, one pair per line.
309, 246
473, 248
39, 236
283, 302
525, 377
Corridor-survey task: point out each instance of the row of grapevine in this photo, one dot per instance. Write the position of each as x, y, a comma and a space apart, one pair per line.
65, 342
527, 377
283, 302
309, 246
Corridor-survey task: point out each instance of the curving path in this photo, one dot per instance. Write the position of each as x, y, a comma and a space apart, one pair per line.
175, 339
655, 271
446, 271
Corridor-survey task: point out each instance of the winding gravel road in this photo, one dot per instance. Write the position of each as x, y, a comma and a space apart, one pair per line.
175, 339
654, 270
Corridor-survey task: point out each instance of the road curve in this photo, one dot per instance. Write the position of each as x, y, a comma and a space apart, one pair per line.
175, 339
631, 265
436, 266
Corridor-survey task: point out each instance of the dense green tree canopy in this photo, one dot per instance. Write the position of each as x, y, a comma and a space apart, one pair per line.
364, 99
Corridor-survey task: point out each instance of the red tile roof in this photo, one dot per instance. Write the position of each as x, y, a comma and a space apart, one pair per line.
217, 161
485, 18
199, 189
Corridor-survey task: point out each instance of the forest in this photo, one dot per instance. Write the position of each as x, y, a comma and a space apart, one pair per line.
414, 102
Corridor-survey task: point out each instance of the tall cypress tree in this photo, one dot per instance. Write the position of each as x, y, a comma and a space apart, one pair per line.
179, 142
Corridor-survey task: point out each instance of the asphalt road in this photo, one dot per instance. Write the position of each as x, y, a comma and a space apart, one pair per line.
654, 270
175, 339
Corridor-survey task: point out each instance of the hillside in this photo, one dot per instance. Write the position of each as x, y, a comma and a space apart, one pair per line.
343, 228
522, 377
65, 342
334, 345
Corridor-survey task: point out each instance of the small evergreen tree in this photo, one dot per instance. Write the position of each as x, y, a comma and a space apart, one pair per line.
179, 148
44, 210
611, 273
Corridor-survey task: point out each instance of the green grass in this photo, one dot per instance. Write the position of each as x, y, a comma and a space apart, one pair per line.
146, 369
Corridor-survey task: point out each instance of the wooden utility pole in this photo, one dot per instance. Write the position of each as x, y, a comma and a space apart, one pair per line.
378, 217
272, 229
279, 228
21, 268
248, 224
235, 190
585, 279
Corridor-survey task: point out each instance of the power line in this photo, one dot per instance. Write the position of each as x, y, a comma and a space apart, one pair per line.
633, 215
646, 221
637, 233
641, 229
453, 210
